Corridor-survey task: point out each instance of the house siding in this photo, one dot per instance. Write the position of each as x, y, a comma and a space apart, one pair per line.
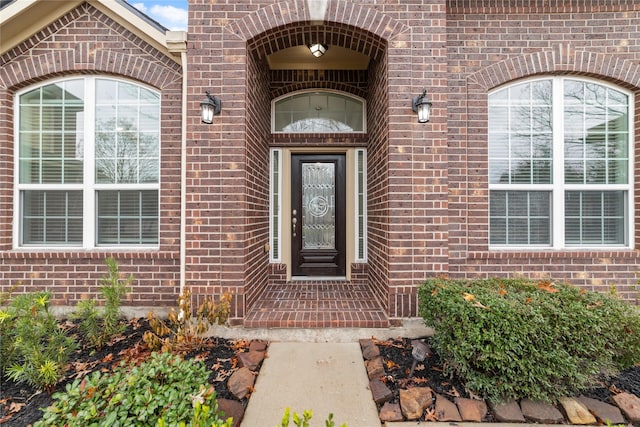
86, 41
427, 183
493, 43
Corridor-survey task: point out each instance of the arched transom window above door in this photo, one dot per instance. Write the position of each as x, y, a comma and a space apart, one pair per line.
318, 112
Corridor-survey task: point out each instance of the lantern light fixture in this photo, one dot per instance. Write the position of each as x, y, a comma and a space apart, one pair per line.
318, 49
210, 107
422, 106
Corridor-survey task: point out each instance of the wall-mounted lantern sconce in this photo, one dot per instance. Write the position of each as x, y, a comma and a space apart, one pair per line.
422, 106
318, 49
209, 107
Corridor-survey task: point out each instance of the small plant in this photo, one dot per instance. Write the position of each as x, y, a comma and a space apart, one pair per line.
41, 349
99, 326
183, 332
7, 323
514, 338
205, 412
163, 390
303, 420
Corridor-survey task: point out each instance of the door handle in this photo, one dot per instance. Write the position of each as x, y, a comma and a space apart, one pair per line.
294, 221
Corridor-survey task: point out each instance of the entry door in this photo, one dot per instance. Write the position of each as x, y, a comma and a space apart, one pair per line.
318, 214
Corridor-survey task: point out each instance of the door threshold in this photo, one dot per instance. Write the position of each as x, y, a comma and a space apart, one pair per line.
318, 278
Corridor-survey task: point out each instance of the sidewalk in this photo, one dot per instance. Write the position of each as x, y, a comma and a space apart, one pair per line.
322, 377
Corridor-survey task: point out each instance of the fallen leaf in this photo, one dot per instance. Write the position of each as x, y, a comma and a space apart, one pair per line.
547, 286
468, 296
431, 415
15, 407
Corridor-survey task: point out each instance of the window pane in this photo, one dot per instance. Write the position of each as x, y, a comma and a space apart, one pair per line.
321, 112
595, 134
127, 217
127, 134
520, 134
51, 217
595, 217
520, 217
52, 133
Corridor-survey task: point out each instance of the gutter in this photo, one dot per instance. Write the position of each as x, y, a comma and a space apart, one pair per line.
177, 43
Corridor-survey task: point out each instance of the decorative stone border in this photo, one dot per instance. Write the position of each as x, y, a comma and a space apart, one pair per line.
421, 403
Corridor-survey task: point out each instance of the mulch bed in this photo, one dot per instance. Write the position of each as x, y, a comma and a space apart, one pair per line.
397, 360
20, 404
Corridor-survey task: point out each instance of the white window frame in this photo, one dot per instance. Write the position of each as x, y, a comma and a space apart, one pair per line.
275, 185
558, 188
360, 180
88, 187
320, 91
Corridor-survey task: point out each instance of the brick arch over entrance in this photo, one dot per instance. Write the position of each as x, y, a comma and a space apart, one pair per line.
562, 59
287, 24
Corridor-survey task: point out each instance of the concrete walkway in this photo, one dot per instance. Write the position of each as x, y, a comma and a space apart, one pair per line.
323, 377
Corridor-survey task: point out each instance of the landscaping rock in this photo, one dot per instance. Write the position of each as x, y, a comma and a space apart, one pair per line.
507, 412
629, 405
603, 411
471, 409
540, 412
380, 391
446, 410
251, 360
414, 401
241, 382
258, 345
375, 368
370, 351
233, 409
577, 413
391, 412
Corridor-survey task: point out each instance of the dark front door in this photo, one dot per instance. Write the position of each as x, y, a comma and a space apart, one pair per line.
318, 214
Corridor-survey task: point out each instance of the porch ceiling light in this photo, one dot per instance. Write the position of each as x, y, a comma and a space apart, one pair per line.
318, 49
210, 107
422, 106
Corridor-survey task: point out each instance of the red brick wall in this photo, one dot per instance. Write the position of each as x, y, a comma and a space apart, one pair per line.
489, 45
87, 41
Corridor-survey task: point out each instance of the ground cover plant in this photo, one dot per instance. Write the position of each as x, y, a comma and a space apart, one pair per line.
97, 369
165, 386
514, 338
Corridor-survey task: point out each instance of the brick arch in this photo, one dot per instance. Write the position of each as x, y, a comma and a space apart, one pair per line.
341, 87
31, 69
562, 59
287, 24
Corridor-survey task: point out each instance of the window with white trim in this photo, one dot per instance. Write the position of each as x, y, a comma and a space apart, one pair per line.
318, 111
275, 207
559, 164
88, 155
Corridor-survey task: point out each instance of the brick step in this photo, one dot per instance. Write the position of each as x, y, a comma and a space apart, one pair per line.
316, 304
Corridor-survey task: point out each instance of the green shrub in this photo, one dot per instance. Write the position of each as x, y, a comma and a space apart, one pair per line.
100, 325
161, 388
39, 348
510, 339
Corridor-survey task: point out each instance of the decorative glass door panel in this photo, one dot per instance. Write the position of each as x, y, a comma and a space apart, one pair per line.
318, 214
318, 206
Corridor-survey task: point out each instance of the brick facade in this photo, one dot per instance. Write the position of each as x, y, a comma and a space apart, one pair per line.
427, 183
88, 41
